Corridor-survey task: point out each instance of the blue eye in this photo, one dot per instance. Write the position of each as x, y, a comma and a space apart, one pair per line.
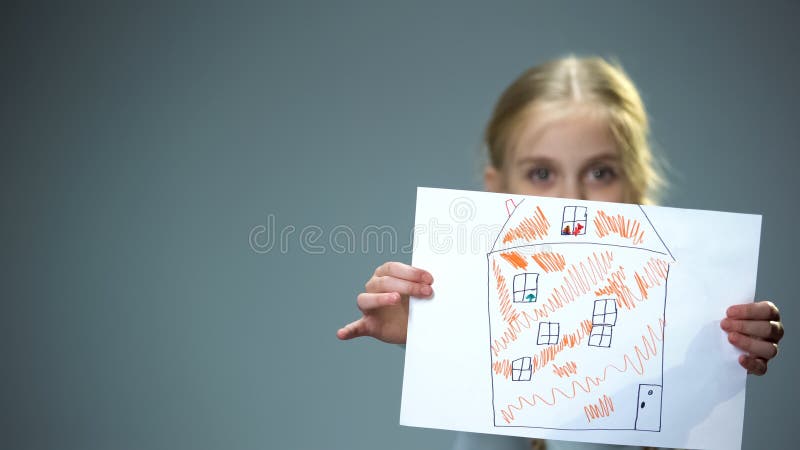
539, 174
602, 173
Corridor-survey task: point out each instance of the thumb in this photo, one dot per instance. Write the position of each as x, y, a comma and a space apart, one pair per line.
352, 330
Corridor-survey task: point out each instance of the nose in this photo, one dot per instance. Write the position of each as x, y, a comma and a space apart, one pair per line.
570, 188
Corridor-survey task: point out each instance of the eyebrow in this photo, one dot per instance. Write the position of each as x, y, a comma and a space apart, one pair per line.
613, 157
591, 160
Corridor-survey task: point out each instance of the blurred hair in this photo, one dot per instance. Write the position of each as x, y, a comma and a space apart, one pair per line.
569, 84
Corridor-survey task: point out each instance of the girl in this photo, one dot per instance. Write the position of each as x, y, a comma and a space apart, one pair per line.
570, 128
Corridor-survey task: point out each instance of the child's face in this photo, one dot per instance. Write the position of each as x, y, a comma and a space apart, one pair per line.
572, 157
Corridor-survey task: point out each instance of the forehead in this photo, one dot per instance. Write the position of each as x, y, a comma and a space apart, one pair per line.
568, 134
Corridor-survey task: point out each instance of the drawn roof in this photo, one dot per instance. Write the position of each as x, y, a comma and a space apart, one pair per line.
541, 220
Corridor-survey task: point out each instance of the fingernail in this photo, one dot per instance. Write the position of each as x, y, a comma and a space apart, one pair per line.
426, 290
427, 278
724, 323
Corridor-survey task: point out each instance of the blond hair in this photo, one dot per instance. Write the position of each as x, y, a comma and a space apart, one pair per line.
573, 81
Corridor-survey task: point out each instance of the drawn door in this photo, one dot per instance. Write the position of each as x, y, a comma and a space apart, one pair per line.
648, 409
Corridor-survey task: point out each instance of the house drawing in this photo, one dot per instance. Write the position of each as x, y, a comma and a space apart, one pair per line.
577, 295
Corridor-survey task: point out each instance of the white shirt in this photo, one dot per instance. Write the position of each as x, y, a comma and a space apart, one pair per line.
475, 441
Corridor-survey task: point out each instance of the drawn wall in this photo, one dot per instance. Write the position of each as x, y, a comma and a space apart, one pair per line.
576, 303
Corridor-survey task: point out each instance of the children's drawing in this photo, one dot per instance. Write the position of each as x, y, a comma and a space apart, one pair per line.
576, 302
578, 320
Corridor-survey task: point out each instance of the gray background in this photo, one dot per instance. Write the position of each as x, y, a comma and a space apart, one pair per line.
141, 144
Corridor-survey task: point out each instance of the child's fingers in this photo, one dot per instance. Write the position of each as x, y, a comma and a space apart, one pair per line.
755, 347
379, 284
768, 330
354, 329
755, 366
404, 272
765, 310
368, 301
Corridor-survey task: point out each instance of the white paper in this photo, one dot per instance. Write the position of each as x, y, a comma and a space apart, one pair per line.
605, 331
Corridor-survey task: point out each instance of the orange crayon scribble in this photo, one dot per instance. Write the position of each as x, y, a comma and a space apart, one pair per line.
579, 280
516, 321
550, 262
626, 228
535, 227
648, 350
549, 353
603, 408
502, 368
619, 290
568, 369
516, 260
516, 325
509, 313
655, 272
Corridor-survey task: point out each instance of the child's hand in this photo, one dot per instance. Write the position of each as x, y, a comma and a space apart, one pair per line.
384, 305
755, 328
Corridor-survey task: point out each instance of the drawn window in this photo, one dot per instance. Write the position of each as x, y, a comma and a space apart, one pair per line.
526, 287
548, 333
600, 336
573, 222
521, 369
605, 312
